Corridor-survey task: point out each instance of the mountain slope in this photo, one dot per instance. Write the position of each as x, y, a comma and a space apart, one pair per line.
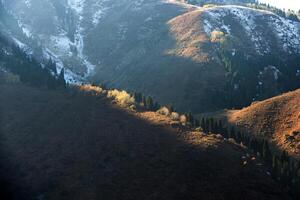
180, 54
57, 145
277, 118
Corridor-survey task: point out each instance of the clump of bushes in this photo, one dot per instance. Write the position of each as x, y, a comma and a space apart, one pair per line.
164, 111
121, 97
91, 89
217, 36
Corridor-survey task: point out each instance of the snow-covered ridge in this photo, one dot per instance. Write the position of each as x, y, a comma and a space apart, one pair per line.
286, 31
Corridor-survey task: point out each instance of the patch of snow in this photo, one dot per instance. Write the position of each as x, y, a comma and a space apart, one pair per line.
246, 17
148, 19
61, 44
97, 16
276, 71
70, 76
27, 3
77, 5
25, 29
236, 86
207, 27
100, 11
288, 32
226, 28
233, 52
137, 5
23, 46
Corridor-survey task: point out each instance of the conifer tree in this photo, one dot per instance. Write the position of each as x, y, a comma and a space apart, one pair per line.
170, 108
202, 124
211, 125
232, 132
144, 101
275, 166
220, 126
197, 123
190, 118
238, 137
61, 78
266, 153
138, 97
156, 106
149, 103
206, 125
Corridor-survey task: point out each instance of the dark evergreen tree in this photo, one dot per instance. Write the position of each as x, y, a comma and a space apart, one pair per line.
190, 118
156, 106
144, 102
266, 153
61, 78
197, 123
232, 132
202, 124
170, 108
138, 97
238, 137
149, 103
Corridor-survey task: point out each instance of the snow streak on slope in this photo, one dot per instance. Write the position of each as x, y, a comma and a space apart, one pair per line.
78, 6
70, 76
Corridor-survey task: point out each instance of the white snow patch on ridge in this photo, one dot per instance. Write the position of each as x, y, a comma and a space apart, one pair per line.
288, 32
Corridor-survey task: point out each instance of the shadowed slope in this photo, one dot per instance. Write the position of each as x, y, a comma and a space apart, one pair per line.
62, 146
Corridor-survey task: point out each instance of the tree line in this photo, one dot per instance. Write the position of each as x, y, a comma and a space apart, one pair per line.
284, 169
29, 70
288, 14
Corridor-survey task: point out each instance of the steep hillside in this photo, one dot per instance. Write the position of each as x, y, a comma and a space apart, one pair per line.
57, 145
247, 54
181, 54
201, 2
277, 118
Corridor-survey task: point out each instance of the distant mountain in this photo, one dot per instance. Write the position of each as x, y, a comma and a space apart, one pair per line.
197, 59
276, 119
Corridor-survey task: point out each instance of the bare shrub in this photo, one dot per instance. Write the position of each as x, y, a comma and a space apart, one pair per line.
217, 36
91, 89
175, 116
163, 111
183, 119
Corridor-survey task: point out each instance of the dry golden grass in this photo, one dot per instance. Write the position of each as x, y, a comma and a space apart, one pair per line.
187, 30
277, 118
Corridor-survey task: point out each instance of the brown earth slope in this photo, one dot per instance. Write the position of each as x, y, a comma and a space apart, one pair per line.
57, 145
277, 118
